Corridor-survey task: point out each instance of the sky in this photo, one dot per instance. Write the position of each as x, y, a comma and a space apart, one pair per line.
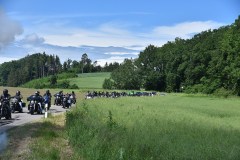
107, 30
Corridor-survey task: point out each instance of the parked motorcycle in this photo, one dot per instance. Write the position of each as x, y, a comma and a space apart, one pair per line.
5, 110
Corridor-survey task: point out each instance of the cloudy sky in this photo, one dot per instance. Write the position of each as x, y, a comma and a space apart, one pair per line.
107, 30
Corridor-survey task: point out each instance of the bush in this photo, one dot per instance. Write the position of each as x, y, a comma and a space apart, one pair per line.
63, 84
74, 86
108, 84
222, 92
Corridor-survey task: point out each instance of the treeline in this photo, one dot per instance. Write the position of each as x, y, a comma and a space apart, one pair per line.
208, 63
34, 66
40, 65
86, 65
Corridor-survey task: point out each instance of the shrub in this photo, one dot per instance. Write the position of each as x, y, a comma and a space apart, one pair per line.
222, 92
108, 84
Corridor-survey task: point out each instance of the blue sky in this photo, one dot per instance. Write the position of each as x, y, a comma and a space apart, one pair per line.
107, 30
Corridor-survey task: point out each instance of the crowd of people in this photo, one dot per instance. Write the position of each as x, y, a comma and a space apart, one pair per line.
37, 102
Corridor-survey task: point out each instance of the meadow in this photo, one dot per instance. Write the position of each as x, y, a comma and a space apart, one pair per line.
175, 126
83, 81
90, 80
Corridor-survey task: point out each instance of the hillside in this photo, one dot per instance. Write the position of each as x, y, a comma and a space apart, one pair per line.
83, 81
90, 80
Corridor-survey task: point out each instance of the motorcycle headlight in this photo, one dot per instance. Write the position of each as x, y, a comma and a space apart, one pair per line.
32, 102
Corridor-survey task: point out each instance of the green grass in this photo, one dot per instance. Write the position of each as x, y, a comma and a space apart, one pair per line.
90, 80
46, 139
162, 127
83, 81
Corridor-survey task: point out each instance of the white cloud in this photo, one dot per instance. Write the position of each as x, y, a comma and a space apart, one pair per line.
33, 39
121, 53
8, 29
7, 59
113, 59
184, 30
110, 34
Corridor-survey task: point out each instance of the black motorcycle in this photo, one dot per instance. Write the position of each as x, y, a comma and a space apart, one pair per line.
58, 100
66, 102
34, 106
15, 106
5, 110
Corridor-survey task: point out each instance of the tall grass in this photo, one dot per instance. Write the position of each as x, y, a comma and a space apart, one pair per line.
163, 127
40, 140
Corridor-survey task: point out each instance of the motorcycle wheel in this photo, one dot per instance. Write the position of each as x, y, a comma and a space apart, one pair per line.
13, 109
31, 110
8, 114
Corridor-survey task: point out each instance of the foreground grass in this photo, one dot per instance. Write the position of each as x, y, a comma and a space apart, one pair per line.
163, 127
46, 139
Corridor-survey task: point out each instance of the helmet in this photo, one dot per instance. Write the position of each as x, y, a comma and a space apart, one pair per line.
47, 91
18, 93
37, 93
5, 91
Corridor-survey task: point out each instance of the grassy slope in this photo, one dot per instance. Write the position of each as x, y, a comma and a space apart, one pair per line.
163, 127
90, 80
83, 81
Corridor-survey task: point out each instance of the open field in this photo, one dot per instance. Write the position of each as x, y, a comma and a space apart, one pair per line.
161, 127
83, 81
90, 80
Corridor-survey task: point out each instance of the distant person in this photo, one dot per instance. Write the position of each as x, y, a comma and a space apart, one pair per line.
73, 97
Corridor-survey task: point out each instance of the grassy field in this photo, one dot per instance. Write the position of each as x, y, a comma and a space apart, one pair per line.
83, 81
175, 126
90, 80
161, 127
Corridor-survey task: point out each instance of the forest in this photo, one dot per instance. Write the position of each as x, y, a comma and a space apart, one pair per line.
208, 63
39, 65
